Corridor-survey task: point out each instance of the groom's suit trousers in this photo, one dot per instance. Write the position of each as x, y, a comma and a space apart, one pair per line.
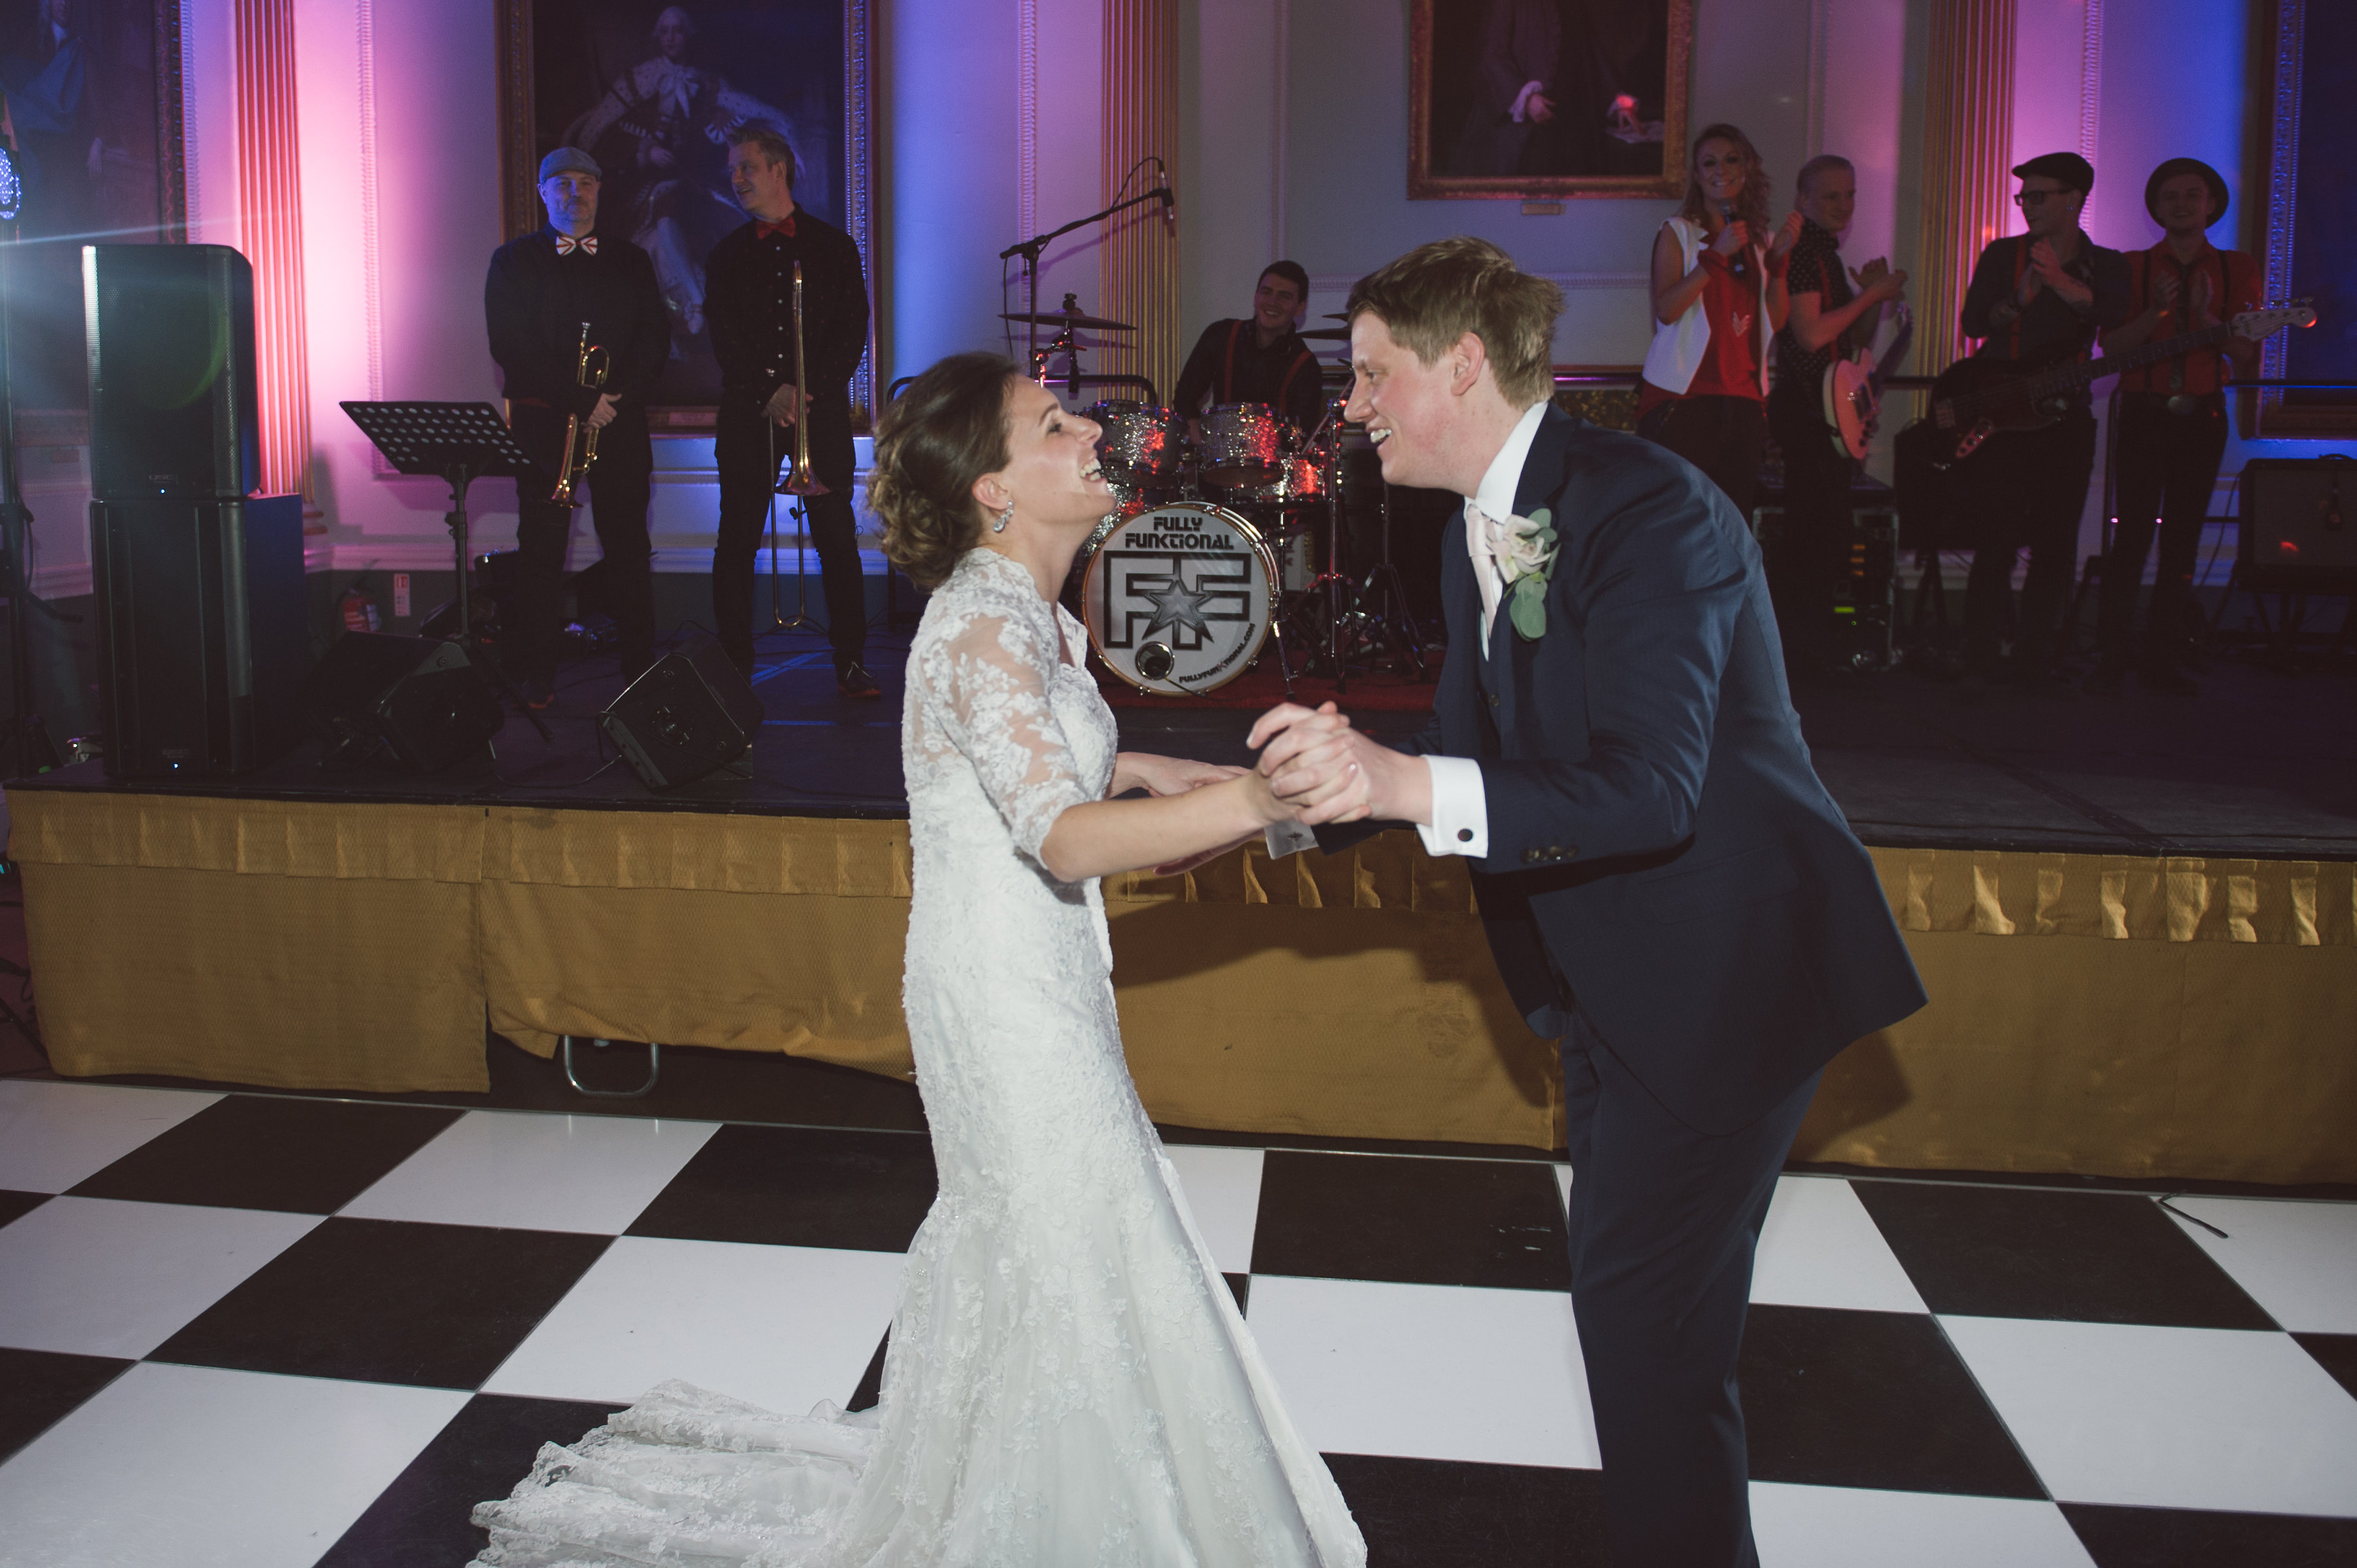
1664, 1223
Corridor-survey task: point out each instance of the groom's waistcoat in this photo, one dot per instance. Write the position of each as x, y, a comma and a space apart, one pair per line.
1662, 855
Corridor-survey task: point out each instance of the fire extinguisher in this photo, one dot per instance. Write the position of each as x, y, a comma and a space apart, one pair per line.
357, 608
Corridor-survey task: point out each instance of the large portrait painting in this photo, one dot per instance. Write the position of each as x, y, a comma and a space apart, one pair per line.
92, 95
655, 92
1547, 99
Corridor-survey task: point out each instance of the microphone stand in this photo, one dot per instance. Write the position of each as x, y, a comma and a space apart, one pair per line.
1029, 251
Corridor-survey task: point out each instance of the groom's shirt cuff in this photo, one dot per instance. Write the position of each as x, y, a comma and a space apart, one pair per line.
1460, 815
1460, 810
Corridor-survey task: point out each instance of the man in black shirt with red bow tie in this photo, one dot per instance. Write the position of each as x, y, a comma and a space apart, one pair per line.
749, 302
543, 288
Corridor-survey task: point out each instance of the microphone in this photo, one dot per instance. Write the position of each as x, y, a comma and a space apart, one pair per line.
1735, 262
1169, 209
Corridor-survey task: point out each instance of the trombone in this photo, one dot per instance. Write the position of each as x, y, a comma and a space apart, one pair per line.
802, 482
580, 446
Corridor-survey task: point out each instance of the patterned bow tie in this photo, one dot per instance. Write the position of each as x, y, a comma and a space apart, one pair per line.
566, 245
763, 231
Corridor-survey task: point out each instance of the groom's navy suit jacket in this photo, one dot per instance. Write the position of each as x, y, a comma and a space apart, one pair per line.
1662, 855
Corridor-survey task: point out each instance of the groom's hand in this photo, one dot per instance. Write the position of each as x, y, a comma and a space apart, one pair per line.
1296, 762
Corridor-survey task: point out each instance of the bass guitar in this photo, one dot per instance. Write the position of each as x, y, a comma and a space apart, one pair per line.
1974, 399
1853, 392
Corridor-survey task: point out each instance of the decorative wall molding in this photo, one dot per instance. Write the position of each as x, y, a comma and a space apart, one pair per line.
1026, 117
1138, 265
2283, 183
1820, 42
1967, 148
2091, 80
191, 200
171, 125
372, 283
859, 176
1280, 129
270, 225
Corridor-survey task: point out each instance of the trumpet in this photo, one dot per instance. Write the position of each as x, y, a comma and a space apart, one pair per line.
802, 482
581, 446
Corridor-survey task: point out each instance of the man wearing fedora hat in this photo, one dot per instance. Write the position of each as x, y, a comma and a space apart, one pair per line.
542, 291
2170, 434
2037, 297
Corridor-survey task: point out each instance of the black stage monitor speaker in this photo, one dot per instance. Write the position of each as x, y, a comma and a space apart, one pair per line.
691, 713
201, 640
413, 702
2299, 521
170, 334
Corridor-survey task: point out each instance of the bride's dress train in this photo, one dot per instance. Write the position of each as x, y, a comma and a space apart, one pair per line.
1068, 1382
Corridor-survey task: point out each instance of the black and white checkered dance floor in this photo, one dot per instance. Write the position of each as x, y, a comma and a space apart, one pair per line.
254, 1330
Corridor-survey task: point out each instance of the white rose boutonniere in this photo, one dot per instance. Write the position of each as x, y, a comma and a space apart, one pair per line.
1524, 549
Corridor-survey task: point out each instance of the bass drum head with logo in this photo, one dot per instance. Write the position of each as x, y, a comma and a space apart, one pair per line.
1178, 599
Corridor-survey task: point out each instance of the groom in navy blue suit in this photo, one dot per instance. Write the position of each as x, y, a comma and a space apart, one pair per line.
1666, 886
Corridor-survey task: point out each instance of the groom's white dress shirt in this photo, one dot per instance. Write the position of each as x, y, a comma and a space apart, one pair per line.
1460, 811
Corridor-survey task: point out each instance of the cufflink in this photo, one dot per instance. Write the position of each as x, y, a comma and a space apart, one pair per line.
1465, 835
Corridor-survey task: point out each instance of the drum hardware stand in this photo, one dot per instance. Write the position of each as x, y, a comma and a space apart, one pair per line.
1382, 603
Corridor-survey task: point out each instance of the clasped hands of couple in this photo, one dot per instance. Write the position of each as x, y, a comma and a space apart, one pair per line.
1313, 768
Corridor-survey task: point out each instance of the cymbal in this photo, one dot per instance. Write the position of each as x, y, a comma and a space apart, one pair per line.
1341, 333
1058, 318
1338, 315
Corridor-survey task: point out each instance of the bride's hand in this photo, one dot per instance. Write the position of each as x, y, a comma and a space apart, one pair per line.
1164, 774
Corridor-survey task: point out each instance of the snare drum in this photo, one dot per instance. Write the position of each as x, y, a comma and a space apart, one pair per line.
1142, 445
1178, 598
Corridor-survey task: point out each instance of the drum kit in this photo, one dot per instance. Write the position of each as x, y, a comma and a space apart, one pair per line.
1210, 554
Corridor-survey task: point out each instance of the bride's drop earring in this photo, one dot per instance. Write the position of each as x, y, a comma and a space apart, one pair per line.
1004, 518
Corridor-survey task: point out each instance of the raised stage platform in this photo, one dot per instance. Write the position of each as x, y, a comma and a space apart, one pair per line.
2135, 915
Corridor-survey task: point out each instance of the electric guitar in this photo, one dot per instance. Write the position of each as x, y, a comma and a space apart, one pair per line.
1853, 393
1973, 399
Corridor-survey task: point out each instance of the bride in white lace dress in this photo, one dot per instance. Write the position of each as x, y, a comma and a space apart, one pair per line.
1069, 1381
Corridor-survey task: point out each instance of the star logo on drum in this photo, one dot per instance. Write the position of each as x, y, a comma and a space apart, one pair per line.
1178, 606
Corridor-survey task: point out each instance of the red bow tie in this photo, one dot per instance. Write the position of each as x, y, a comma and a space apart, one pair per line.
785, 226
566, 245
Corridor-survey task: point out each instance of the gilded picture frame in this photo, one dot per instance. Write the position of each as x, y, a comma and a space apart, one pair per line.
1547, 100
584, 71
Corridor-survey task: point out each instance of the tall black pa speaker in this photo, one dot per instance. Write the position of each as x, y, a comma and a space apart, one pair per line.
170, 334
691, 713
201, 642
411, 701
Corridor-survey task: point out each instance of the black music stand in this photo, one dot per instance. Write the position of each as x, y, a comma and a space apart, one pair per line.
460, 443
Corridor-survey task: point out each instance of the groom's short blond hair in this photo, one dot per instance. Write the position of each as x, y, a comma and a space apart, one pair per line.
1438, 292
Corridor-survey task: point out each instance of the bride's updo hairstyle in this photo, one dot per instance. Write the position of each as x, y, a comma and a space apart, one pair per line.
941, 434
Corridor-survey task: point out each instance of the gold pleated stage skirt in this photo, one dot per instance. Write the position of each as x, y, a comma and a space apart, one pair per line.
2099, 1014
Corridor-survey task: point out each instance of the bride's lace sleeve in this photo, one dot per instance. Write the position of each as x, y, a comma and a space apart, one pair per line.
990, 686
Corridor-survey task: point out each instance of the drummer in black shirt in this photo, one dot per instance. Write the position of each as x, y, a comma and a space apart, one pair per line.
1262, 360
749, 302
542, 290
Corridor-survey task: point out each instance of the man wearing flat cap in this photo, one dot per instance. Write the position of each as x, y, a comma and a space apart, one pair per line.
2039, 298
2170, 430
542, 290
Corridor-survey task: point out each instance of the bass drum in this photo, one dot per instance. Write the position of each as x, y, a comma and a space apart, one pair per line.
1178, 598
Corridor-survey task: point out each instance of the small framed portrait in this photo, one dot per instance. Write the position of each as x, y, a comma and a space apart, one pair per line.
655, 92
1539, 99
